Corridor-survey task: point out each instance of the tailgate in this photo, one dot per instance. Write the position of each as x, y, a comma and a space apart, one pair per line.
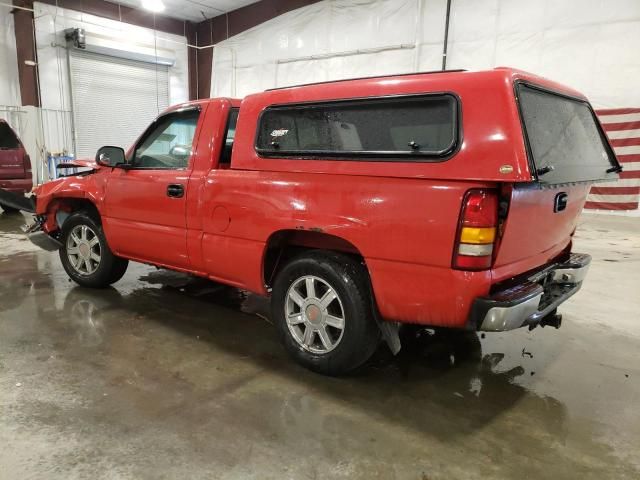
538, 227
11, 164
568, 151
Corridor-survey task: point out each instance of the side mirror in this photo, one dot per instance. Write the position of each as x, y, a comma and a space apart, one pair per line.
111, 157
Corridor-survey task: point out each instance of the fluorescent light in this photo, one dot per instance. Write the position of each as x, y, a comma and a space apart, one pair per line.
153, 5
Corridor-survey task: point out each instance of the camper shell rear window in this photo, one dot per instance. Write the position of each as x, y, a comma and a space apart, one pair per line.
402, 128
564, 138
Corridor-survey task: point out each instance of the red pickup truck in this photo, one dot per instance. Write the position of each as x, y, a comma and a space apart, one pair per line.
446, 199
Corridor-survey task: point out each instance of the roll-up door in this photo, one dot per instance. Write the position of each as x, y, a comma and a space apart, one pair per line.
114, 99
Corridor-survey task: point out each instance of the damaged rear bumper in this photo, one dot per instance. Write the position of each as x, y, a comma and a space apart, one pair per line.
533, 300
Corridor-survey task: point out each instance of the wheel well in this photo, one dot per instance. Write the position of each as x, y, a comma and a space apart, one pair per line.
285, 244
60, 208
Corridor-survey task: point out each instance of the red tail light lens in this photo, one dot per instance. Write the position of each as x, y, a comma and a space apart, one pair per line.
476, 231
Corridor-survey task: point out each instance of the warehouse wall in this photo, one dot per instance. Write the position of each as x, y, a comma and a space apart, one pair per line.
50, 23
10, 86
49, 128
589, 44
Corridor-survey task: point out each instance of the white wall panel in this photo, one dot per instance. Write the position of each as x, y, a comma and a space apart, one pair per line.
588, 44
331, 40
9, 84
50, 23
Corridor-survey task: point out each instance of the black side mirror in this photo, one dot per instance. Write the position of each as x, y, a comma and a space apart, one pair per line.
111, 157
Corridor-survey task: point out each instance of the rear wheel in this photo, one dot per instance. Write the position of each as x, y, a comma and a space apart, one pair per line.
322, 309
85, 255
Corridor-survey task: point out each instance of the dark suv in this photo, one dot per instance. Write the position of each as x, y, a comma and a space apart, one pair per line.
15, 165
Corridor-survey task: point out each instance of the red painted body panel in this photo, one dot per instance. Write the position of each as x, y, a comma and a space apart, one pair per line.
534, 227
401, 217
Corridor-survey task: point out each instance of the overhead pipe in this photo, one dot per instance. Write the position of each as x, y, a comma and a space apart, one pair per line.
446, 36
17, 7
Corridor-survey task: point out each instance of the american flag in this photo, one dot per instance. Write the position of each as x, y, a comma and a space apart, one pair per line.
623, 129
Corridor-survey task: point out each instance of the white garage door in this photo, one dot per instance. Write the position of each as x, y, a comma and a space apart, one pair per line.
114, 99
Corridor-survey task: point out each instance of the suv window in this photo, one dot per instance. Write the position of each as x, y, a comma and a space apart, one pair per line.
408, 126
8, 139
167, 144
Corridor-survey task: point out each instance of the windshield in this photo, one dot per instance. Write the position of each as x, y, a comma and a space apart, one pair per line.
565, 140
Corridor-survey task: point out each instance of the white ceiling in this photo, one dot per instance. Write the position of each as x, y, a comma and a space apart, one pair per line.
192, 9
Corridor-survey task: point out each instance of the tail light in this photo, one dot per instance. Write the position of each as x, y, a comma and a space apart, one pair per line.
476, 231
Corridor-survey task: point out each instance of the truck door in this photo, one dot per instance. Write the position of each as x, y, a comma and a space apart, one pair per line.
145, 205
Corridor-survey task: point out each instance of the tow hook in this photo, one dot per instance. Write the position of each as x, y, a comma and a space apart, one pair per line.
553, 320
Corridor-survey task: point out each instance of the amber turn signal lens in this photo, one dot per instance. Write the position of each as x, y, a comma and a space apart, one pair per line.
477, 235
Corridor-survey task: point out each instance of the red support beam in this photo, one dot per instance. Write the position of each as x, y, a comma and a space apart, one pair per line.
26, 52
192, 39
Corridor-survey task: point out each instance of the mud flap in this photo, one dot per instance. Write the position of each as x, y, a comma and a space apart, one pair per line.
390, 333
18, 201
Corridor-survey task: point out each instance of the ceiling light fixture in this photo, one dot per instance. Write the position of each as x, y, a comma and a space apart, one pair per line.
153, 5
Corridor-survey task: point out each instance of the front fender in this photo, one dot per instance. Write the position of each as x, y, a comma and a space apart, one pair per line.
89, 187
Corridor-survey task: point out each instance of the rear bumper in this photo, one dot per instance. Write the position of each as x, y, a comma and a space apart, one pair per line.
530, 301
17, 185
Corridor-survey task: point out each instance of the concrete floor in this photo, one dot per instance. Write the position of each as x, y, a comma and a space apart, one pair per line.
167, 377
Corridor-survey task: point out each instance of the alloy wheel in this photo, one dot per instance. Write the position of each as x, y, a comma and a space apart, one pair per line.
314, 314
83, 249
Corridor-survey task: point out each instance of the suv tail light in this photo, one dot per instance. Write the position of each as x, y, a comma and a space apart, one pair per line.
476, 231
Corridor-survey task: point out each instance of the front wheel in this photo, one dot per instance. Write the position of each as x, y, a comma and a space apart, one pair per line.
85, 255
322, 308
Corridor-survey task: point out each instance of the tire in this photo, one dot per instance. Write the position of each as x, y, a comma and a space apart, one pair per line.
8, 209
313, 335
85, 255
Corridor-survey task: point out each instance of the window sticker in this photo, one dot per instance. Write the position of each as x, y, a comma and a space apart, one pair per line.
280, 132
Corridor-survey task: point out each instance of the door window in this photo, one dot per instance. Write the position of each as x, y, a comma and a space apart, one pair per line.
168, 142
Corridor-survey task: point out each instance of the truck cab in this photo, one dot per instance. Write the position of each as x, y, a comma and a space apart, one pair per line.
444, 199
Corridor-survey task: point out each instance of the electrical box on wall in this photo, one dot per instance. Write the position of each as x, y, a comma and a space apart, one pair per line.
76, 37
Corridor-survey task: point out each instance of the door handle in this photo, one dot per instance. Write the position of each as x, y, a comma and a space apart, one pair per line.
175, 190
